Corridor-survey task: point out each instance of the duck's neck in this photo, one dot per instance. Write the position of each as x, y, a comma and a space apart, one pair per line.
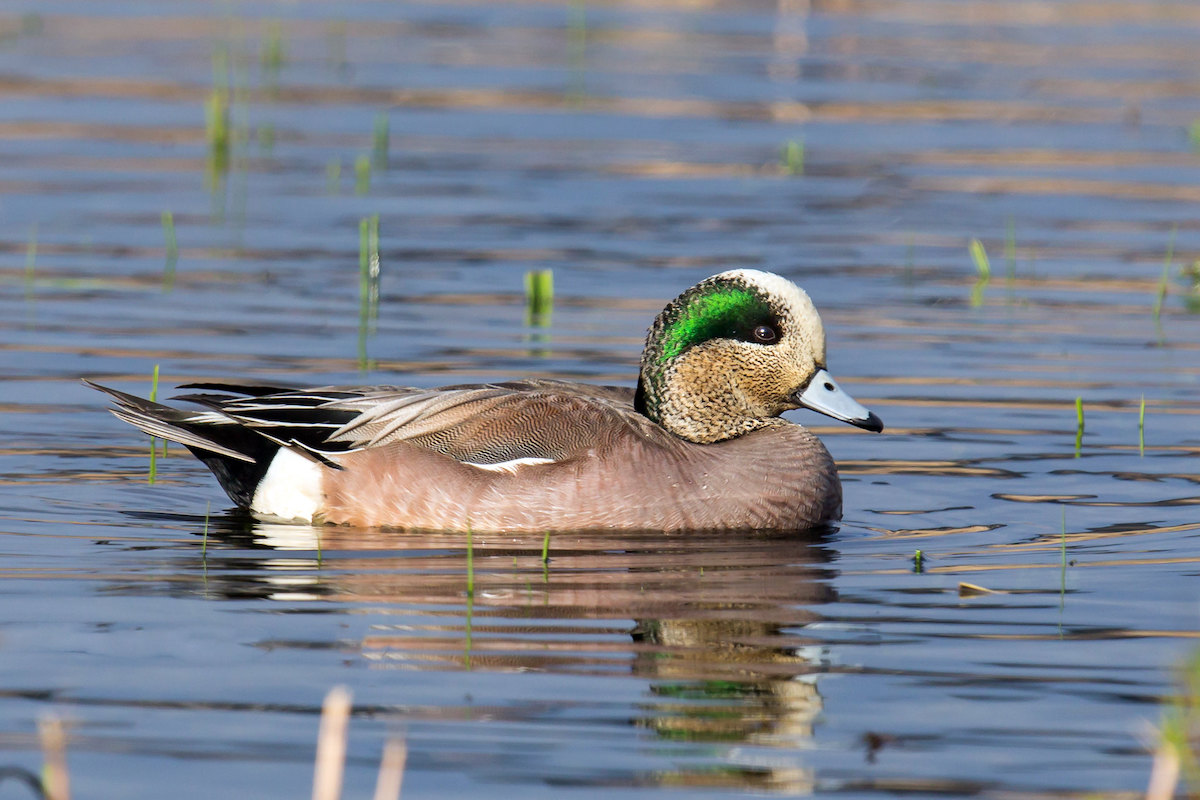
693, 406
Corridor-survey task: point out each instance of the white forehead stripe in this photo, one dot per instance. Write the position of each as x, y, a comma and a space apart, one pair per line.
802, 322
790, 295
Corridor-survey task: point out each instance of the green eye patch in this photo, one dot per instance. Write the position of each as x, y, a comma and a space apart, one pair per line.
722, 310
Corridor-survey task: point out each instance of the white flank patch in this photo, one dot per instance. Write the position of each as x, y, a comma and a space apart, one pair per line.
291, 489
510, 466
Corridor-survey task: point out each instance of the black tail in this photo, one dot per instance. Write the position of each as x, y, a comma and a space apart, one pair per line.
238, 456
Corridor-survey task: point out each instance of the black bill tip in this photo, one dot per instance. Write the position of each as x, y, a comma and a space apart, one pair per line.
871, 423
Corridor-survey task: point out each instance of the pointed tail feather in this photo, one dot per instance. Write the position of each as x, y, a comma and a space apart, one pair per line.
165, 422
238, 456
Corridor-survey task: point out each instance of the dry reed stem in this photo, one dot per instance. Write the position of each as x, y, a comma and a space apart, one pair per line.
1164, 774
391, 770
55, 782
331, 745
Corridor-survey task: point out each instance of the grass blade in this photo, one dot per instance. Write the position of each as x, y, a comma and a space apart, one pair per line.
1142, 427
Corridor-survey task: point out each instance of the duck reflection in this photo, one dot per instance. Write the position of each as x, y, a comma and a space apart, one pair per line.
714, 623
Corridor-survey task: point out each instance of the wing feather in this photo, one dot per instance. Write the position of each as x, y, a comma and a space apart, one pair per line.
483, 424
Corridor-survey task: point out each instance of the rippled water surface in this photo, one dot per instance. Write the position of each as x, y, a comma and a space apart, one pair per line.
632, 148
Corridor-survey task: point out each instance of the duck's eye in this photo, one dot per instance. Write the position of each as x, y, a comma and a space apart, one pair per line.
765, 334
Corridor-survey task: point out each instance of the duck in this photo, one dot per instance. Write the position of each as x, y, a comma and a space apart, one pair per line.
699, 444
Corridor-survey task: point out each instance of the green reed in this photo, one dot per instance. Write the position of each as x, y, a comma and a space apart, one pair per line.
368, 265
791, 159
539, 297
1142, 427
1191, 275
1164, 281
1078, 424
172, 252
217, 131
918, 561
273, 53
546, 548
227, 130
984, 267
380, 141
362, 175
368, 283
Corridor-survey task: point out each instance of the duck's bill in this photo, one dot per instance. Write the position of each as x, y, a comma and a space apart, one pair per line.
823, 395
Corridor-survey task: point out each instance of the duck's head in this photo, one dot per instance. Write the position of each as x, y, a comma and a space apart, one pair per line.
734, 352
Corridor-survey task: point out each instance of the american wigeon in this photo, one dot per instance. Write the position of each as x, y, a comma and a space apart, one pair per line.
698, 445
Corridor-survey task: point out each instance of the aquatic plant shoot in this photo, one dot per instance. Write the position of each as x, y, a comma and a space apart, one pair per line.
1078, 424
172, 250
792, 159
984, 269
362, 175
1142, 427
539, 297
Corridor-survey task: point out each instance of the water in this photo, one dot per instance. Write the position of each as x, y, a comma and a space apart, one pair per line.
633, 149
